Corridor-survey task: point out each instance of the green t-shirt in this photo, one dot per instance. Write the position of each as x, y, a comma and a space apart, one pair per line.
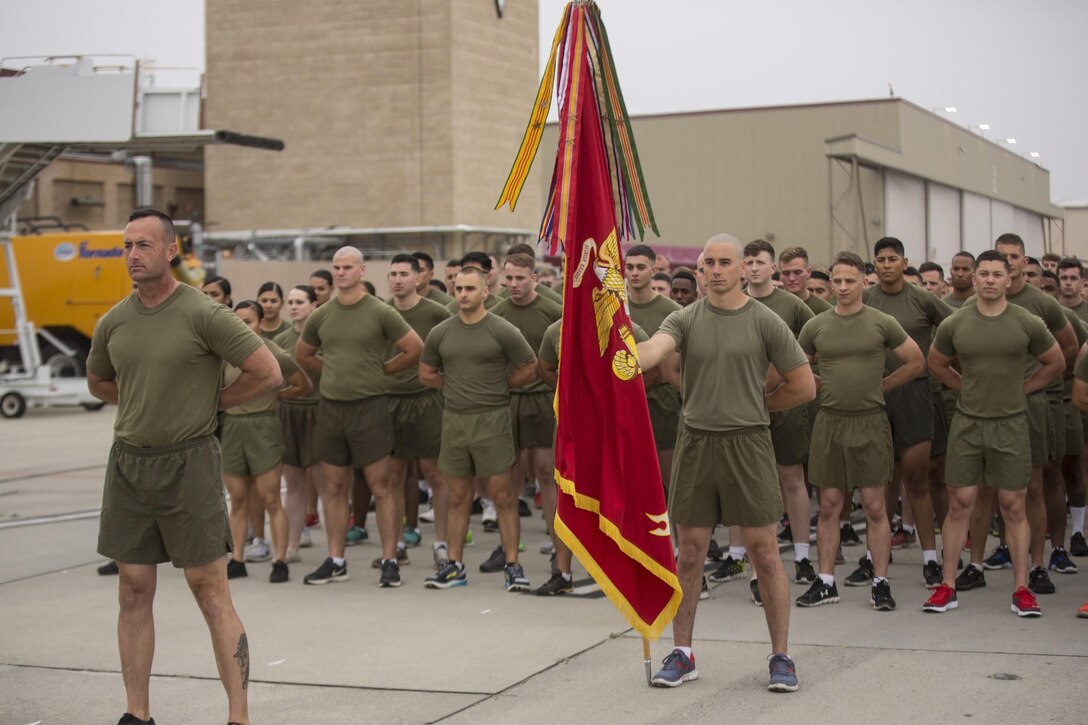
288, 340
541, 289
352, 339
916, 310
952, 302
818, 305
475, 361
992, 352
273, 334
1081, 370
266, 402
422, 318
1081, 331
724, 356
851, 351
650, 315
532, 320
549, 346
789, 308
168, 363
1081, 310
438, 296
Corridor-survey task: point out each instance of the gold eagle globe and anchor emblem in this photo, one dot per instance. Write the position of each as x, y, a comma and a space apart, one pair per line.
607, 301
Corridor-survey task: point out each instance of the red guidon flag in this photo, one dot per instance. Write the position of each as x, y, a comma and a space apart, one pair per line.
611, 509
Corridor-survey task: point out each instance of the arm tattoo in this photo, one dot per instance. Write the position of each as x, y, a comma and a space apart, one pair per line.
242, 655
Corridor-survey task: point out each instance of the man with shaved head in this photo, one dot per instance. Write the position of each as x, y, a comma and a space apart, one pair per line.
739, 362
354, 427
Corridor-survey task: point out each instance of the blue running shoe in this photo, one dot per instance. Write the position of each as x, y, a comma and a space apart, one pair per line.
1000, 559
450, 575
678, 668
783, 674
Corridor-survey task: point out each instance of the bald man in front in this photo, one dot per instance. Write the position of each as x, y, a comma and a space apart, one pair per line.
354, 427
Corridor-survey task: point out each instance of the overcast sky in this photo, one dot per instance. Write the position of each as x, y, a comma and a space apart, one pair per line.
1010, 63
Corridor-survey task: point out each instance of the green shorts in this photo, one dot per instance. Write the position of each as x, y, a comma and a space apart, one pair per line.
532, 419
949, 398
727, 478
299, 424
164, 504
1056, 441
476, 444
252, 443
1039, 427
994, 451
910, 413
353, 433
664, 404
417, 425
790, 436
851, 450
1074, 430
940, 426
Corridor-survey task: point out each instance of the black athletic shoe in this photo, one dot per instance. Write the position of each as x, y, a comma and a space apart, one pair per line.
785, 536
523, 509
477, 507
714, 552
803, 572
862, 575
110, 569
390, 574
491, 526
818, 594
129, 719
558, 584
1000, 559
515, 579
847, 535
753, 587
973, 577
236, 569
813, 522
279, 573
729, 570
1039, 581
327, 572
932, 574
1077, 545
880, 596
1060, 561
495, 562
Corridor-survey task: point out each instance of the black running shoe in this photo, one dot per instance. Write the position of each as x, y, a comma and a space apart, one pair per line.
327, 572
729, 570
516, 581
1077, 545
803, 572
704, 589
558, 584
880, 597
1000, 559
785, 536
495, 562
109, 569
862, 575
390, 574
523, 509
1060, 561
129, 719
714, 552
491, 526
818, 594
236, 569
753, 587
848, 536
973, 577
932, 574
1039, 581
279, 572
450, 575
477, 507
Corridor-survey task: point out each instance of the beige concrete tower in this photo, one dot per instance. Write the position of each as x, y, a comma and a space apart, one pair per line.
396, 113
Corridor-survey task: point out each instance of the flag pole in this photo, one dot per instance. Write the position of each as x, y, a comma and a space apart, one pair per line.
646, 659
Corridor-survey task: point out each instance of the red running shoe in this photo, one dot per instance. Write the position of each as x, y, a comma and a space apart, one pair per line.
312, 521
942, 599
1024, 603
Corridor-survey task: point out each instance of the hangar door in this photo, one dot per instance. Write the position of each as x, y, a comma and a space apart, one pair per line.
905, 213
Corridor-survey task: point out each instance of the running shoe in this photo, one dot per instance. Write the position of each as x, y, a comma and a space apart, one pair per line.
108, 569
327, 572
427, 516
1000, 559
450, 575
1039, 581
1060, 561
973, 577
516, 581
236, 569
932, 574
495, 562
356, 535
812, 523
1024, 604
538, 500
839, 558
258, 551
490, 519
521, 545
313, 521
558, 584
292, 557
402, 559
942, 599
1077, 545
677, 668
783, 674
441, 554
470, 540
819, 593
129, 719
305, 541
785, 536
880, 596
548, 549
704, 589
847, 536
412, 537
861, 576
729, 570
1082, 613
902, 539
714, 552
523, 509
477, 507
279, 572
390, 575
753, 588
803, 572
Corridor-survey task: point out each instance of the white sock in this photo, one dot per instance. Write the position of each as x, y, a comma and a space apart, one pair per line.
869, 556
685, 650
908, 528
1077, 514
977, 566
828, 579
800, 551
928, 555
402, 546
566, 576
878, 579
438, 544
737, 552
338, 560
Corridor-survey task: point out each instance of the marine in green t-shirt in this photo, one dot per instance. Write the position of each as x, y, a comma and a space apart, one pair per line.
917, 311
422, 317
532, 319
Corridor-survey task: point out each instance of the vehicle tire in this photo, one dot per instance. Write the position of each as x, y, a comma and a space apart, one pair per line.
12, 405
64, 366
92, 406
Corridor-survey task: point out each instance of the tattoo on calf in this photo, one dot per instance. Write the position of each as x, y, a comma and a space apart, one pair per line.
242, 655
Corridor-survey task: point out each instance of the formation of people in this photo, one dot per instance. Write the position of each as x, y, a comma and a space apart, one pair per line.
929, 403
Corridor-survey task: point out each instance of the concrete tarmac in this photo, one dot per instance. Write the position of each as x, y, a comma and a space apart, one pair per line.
353, 652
